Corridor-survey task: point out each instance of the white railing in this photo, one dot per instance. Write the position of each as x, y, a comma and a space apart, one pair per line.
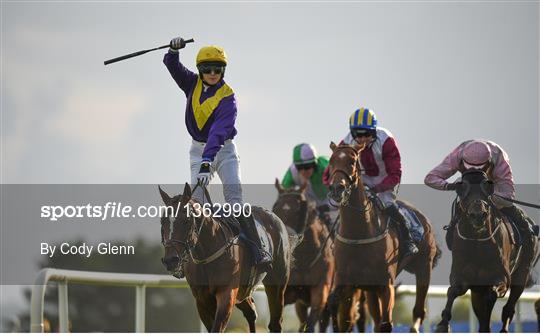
141, 282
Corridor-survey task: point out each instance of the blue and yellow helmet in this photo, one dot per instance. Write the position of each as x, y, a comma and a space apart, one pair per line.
363, 118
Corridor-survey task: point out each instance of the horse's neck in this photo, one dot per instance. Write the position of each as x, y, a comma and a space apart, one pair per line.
210, 237
358, 218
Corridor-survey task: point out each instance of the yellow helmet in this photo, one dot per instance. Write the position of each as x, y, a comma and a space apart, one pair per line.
211, 53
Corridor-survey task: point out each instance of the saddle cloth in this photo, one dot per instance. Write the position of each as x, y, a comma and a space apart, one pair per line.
413, 223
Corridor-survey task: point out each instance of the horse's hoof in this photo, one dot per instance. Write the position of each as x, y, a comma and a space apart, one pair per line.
413, 330
503, 331
385, 327
442, 329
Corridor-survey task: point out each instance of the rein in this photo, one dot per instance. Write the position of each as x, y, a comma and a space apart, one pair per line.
477, 239
535, 206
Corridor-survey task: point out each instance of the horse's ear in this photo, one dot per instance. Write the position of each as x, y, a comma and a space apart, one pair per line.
164, 196
333, 146
358, 147
278, 186
187, 191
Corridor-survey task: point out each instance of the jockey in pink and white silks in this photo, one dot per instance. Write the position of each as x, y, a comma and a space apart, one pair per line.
380, 161
492, 159
210, 120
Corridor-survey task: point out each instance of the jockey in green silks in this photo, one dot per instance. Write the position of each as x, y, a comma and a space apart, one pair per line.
307, 166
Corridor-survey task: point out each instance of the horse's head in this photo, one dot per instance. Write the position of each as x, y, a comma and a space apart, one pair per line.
474, 192
178, 230
344, 168
292, 206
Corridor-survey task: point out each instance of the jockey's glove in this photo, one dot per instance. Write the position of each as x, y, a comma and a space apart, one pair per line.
176, 44
203, 178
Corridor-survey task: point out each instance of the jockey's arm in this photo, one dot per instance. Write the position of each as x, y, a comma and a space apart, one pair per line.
288, 180
502, 176
437, 177
392, 164
184, 78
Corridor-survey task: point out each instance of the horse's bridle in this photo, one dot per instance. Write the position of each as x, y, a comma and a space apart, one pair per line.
352, 179
187, 244
464, 208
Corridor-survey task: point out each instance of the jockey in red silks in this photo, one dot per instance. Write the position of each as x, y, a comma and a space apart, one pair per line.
380, 162
491, 158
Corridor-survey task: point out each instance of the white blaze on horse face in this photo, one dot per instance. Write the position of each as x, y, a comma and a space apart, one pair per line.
286, 207
342, 155
171, 226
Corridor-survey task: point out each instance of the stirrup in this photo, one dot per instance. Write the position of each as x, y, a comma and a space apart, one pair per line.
410, 248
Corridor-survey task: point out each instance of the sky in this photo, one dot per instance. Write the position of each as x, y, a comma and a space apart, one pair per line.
436, 74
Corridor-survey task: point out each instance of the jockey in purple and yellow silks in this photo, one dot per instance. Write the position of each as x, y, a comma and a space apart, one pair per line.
210, 118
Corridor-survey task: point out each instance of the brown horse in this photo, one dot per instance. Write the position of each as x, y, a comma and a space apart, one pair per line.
367, 248
484, 257
537, 311
313, 268
217, 265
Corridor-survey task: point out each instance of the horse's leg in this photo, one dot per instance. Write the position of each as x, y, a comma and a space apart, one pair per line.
347, 308
387, 299
482, 301
225, 300
248, 310
333, 305
275, 295
423, 276
302, 313
318, 298
324, 320
361, 322
510, 307
374, 307
207, 310
453, 292
537, 310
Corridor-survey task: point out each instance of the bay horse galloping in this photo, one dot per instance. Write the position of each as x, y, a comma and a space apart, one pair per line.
485, 257
217, 265
313, 268
367, 248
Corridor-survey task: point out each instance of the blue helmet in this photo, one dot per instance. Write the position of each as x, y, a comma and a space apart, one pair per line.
363, 118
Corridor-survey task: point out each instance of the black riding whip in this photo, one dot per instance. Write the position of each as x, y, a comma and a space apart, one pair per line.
138, 53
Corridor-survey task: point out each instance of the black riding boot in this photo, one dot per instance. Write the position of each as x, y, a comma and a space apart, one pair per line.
261, 258
519, 217
408, 245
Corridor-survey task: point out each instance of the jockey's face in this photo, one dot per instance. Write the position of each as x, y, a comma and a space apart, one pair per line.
306, 173
211, 78
364, 140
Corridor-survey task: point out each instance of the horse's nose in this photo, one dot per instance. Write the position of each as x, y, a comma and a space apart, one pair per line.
336, 188
170, 262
